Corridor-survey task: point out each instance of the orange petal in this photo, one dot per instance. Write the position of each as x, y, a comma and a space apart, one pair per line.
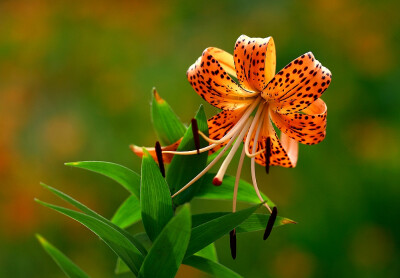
166, 157
298, 85
220, 124
308, 128
255, 61
213, 83
279, 155
291, 146
224, 58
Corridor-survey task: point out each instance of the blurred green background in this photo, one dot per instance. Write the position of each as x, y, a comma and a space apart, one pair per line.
75, 84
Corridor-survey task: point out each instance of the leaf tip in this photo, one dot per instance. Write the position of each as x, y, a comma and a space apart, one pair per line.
145, 153
40, 239
288, 221
156, 96
71, 163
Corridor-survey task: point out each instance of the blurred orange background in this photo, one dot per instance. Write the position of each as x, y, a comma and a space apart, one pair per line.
75, 84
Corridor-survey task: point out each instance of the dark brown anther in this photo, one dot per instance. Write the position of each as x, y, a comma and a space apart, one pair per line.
232, 241
196, 137
267, 153
160, 158
271, 222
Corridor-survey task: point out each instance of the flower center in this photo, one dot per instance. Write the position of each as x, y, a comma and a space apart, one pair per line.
246, 125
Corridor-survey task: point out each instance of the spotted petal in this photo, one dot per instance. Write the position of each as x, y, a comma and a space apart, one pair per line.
308, 128
220, 124
297, 85
212, 82
279, 152
255, 61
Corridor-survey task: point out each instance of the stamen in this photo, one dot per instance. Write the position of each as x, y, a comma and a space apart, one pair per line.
253, 171
237, 126
271, 222
195, 131
237, 179
227, 137
256, 154
209, 166
267, 153
160, 158
232, 242
221, 172
205, 149
253, 125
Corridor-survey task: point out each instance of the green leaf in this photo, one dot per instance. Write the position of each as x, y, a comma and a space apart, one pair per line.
168, 250
258, 222
208, 252
92, 213
122, 175
208, 232
184, 168
69, 268
128, 213
121, 267
211, 267
246, 191
255, 222
155, 198
120, 244
167, 125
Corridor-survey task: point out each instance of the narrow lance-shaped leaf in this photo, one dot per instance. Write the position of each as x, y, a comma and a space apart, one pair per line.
246, 191
128, 213
208, 232
92, 213
210, 267
167, 125
155, 198
122, 175
184, 168
168, 250
70, 269
121, 245
255, 222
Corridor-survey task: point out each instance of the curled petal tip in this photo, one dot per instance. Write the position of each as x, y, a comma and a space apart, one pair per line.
137, 150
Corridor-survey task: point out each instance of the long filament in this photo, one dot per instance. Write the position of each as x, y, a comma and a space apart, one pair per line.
253, 125
237, 179
253, 172
228, 159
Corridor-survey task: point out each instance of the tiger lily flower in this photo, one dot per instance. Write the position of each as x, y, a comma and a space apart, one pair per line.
290, 99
